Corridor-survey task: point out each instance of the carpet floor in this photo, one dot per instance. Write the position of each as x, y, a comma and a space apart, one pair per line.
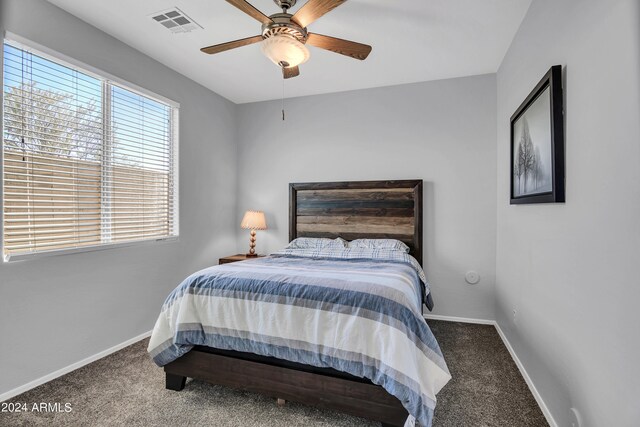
127, 389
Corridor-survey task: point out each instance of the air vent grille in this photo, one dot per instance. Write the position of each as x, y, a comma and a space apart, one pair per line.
175, 20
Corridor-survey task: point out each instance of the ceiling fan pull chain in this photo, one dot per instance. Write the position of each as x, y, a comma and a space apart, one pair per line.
283, 99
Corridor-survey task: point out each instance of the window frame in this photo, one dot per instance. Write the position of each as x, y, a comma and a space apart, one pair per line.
106, 79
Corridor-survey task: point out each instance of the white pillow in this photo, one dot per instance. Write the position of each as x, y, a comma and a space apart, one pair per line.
317, 243
389, 244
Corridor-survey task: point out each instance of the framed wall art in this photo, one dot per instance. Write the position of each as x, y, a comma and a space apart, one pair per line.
537, 144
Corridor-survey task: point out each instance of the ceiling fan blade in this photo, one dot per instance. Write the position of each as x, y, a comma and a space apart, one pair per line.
314, 9
250, 10
217, 48
288, 72
343, 47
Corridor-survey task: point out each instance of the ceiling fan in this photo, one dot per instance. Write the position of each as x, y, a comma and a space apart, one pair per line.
284, 35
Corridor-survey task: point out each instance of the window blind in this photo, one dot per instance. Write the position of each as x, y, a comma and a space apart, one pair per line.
86, 162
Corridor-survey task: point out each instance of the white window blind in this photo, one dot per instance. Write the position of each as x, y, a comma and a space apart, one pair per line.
86, 162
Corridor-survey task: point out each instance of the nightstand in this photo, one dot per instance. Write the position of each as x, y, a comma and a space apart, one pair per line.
236, 258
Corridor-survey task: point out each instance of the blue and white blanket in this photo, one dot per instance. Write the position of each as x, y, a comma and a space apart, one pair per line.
357, 311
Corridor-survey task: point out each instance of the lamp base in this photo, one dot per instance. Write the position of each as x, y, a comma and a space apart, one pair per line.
252, 245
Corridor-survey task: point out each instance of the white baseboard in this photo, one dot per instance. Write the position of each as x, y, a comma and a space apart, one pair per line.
459, 319
523, 371
527, 378
60, 372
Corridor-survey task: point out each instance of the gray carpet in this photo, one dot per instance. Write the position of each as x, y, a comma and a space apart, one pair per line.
126, 388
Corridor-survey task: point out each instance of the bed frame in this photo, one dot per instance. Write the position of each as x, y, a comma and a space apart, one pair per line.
351, 210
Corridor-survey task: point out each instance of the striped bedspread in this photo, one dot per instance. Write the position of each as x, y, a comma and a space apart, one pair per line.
357, 314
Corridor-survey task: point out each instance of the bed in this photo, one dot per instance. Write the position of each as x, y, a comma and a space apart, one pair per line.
285, 369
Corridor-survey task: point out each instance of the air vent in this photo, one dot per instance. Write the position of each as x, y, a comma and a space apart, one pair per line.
175, 20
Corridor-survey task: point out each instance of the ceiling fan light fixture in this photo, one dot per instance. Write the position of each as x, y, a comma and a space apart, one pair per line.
282, 49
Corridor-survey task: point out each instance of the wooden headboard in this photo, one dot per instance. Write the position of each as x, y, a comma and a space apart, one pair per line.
358, 210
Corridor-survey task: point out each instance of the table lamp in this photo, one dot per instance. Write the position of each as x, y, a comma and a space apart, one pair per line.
253, 220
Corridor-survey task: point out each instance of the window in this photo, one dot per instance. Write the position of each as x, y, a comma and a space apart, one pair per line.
86, 161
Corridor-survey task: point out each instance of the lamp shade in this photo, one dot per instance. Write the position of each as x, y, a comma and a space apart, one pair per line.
282, 49
254, 220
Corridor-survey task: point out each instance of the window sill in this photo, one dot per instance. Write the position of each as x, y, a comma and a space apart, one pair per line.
43, 254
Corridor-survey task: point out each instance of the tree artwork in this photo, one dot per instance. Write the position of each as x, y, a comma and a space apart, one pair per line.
527, 163
517, 166
538, 171
537, 144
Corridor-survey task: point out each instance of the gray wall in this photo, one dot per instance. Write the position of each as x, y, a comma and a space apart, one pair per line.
570, 270
58, 310
443, 132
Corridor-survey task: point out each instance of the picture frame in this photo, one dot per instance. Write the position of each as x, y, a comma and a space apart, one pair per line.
537, 144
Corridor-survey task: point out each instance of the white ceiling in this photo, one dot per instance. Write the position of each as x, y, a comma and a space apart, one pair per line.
413, 41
